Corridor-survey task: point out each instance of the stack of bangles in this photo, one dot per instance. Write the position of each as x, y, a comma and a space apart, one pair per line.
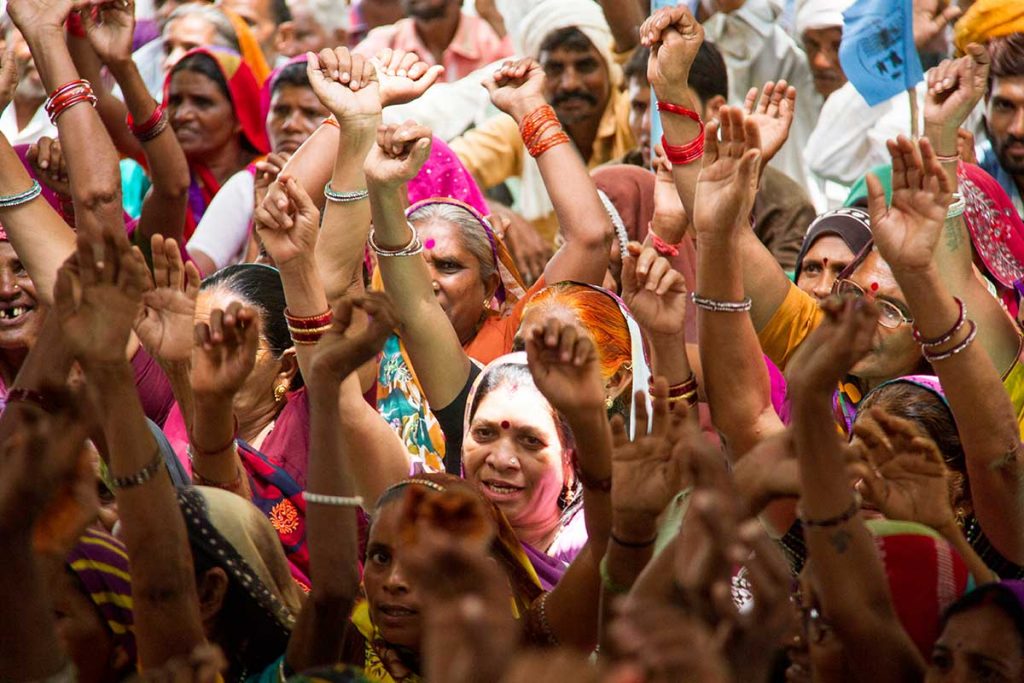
681, 155
67, 96
151, 127
716, 306
10, 200
684, 391
414, 247
929, 346
535, 130
306, 331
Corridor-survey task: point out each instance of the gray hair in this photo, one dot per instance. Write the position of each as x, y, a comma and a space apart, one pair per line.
474, 234
225, 35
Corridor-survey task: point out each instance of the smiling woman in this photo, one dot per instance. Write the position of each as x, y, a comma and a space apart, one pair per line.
20, 317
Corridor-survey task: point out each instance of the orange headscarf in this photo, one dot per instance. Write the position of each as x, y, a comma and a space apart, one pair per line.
249, 47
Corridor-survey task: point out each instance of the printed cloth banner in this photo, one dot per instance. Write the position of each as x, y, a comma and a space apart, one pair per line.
877, 52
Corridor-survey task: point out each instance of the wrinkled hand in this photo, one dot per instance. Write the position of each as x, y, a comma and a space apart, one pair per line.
97, 299
224, 353
517, 87
403, 76
839, 342
727, 183
954, 88
164, 323
565, 368
931, 17
647, 472
289, 232
654, 291
773, 114
345, 83
8, 76
530, 251
342, 350
109, 27
907, 231
905, 476
49, 165
399, 154
267, 171
674, 36
36, 16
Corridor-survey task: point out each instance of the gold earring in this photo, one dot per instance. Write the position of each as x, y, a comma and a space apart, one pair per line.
279, 391
609, 402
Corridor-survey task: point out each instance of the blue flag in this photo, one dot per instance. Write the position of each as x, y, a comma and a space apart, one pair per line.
877, 52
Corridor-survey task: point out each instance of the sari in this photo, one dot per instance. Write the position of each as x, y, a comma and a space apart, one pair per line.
244, 94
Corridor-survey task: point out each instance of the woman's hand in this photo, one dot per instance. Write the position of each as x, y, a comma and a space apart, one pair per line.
839, 342
399, 154
109, 28
674, 36
647, 472
341, 351
906, 478
345, 83
49, 166
728, 178
564, 365
97, 297
773, 114
164, 324
955, 87
267, 171
289, 232
403, 76
654, 291
907, 231
224, 353
33, 17
517, 87
8, 76
931, 18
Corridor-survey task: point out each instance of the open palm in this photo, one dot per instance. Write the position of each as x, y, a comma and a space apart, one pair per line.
646, 472
164, 323
773, 114
728, 179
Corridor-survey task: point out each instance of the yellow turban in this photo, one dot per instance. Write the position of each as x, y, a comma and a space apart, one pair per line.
988, 19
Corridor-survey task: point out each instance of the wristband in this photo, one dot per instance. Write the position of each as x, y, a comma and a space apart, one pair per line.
663, 247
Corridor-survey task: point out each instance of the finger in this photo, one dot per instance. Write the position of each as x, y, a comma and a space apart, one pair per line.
44, 152
327, 62
346, 67
201, 335
407, 63
567, 343
750, 101
644, 264
659, 269
584, 350
659, 401
358, 62
877, 206
192, 281
619, 435
216, 326
641, 413
175, 267
65, 290
630, 282
384, 58
160, 265
711, 143
672, 281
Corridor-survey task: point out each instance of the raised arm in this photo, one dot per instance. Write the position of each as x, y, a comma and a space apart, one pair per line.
908, 235
624, 18
517, 89
848, 576
96, 301
109, 32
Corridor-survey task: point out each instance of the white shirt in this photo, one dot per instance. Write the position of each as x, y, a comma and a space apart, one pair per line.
850, 138
38, 126
223, 231
757, 50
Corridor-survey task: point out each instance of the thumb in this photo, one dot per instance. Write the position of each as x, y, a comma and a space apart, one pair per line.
433, 73
629, 283
298, 196
876, 199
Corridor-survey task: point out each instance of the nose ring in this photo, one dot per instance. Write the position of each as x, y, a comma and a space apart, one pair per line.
513, 461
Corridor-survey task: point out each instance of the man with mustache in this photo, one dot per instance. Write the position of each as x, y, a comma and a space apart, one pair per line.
573, 43
1004, 116
439, 32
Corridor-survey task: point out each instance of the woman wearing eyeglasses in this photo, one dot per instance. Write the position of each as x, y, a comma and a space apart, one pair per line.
832, 243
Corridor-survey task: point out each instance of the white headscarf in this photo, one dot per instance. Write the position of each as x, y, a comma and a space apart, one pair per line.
820, 14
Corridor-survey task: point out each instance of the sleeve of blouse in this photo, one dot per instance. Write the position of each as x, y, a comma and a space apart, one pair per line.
451, 419
224, 229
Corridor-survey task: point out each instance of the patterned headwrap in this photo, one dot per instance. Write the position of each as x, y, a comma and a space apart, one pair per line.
926, 575
100, 563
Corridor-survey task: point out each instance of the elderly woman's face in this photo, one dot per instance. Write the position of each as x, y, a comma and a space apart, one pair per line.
202, 117
455, 273
981, 645
822, 263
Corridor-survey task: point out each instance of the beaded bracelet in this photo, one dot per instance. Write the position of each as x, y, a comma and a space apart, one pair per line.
140, 477
721, 306
946, 338
663, 247
338, 501
842, 518
8, 201
345, 197
415, 246
968, 340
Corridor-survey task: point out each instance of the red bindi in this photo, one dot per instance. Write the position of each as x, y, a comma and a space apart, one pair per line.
505, 424
429, 244
824, 262
874, 286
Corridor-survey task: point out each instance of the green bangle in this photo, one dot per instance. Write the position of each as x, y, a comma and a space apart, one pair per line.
606, 580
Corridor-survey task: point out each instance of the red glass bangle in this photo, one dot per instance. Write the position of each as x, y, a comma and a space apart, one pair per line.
74, 25
680, 155
311, 322
663, 247
680, 110
148, 125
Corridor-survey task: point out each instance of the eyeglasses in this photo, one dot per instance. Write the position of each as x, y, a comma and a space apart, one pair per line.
890, 314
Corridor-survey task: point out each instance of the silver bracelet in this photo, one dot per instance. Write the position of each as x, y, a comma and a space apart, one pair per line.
142, 476
415, 246
340, 501
956, 209
345, 197
721, 306
21, 197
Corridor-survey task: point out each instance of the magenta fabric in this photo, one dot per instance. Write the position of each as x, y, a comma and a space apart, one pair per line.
444, 176
778, 390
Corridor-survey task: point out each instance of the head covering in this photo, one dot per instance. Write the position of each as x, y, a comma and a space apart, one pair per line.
339, 673
243, 91
252, 53
100, 563
630, 190
988, 19
926, 575
444, 175
927, 382
851, 225
230, 531
820, 14
549, 16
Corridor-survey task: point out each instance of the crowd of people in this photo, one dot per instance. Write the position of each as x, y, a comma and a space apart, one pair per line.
508, 340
